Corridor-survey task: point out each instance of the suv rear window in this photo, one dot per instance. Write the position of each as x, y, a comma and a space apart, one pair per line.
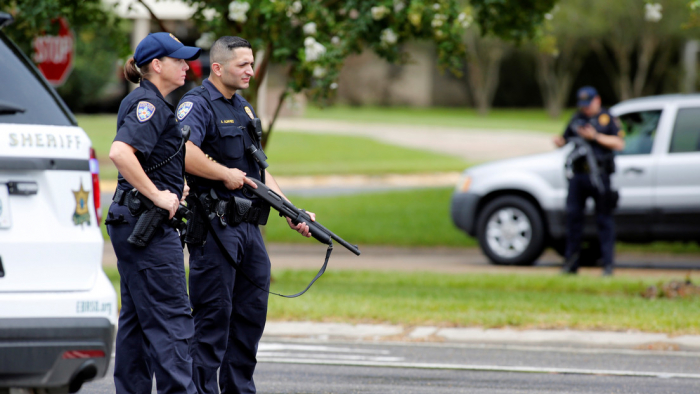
22, 88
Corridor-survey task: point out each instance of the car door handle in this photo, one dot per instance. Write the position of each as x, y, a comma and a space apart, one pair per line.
635, 170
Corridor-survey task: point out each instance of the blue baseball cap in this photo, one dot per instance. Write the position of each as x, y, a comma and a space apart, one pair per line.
157, 45
585, 95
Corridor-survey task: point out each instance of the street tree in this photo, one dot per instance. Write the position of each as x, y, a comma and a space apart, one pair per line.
560, 51
312, 38
635, 41
483, 64
33, 18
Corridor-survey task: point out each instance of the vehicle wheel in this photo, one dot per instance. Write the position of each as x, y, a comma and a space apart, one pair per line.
511, 231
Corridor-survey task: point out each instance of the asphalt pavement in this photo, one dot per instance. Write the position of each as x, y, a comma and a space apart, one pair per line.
315, 365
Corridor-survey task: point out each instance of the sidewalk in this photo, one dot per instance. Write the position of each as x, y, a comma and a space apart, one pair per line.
473, 145
478, 336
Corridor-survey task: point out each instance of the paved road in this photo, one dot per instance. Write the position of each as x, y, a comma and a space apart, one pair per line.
345, 367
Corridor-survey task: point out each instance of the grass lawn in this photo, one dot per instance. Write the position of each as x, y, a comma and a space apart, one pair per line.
485, 300
418, 217
319, 154
403, 218
305, 154
515, 119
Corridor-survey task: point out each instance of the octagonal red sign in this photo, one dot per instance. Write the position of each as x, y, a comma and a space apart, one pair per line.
54, 54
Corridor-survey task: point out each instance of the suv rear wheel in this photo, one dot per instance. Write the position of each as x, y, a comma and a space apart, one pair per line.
511, 231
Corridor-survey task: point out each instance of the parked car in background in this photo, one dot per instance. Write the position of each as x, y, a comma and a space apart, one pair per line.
516, 207
58, 309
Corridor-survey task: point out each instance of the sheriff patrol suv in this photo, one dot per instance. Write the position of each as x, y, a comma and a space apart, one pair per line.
58, 310
516, 207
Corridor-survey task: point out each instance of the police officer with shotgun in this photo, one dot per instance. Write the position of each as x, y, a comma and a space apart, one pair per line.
595, 135
229, 303
155, 321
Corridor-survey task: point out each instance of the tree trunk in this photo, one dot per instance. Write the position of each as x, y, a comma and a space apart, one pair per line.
632, 82
555, 75
483, 65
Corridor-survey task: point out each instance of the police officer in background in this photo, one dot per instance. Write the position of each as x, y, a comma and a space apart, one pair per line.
602, 132
155, 321
229, 307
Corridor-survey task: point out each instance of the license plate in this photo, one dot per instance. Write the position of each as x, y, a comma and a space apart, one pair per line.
5, 219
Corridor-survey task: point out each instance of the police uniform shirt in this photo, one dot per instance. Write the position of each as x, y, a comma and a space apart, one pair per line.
147, 123
194, 111
603, 123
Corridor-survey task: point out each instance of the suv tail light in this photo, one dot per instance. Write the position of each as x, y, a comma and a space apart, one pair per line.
95, 171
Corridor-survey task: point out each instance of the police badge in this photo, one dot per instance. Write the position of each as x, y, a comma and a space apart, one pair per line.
81, 214
249, 112
145, 111
184, 109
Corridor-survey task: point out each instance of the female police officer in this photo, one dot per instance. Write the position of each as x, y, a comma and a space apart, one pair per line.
155, 322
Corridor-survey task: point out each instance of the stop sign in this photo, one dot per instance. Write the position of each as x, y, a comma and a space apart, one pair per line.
54, 54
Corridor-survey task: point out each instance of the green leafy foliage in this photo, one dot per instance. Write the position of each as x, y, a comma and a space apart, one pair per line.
512, 20
313, 37
35, 17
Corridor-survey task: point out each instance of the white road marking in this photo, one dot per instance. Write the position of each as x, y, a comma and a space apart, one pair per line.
362, 357
267, 346
348, 357
467, 367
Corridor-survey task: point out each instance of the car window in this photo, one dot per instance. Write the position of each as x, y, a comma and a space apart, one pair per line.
639, 131
686, 131
24, 98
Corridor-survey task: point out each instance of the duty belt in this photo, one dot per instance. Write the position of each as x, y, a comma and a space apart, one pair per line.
237, 210
132, 199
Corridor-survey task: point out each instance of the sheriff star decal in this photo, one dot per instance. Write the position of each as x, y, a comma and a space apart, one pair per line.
82, 214
184, 109
145, 111
249, 112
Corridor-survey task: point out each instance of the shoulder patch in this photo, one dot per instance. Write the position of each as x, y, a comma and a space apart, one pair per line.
145, 111
249, 112
184, 109
604, 119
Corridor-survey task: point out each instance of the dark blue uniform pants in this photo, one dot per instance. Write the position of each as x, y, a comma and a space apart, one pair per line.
580, 188
229, 312
155, 322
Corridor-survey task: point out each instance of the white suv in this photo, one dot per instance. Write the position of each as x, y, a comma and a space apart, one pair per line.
58, 309
516, 207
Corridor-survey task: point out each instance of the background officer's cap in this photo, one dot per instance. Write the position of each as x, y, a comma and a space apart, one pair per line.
585, 95
157, 45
